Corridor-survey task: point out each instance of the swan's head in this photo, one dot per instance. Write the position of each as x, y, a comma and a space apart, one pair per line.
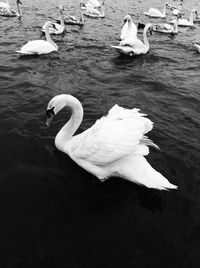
49, 24
61, 8
140, 25
19, 2
58, 102
127, 18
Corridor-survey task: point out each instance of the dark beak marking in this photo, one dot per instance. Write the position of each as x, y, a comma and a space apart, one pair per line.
50, 112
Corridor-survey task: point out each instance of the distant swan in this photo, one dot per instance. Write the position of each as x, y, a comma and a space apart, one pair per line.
114, 146
129, 29
38, 47
73, 20
6, 11
94, 13
153, 12
186, 22
91, 3
57, 28
133, 46
166, 28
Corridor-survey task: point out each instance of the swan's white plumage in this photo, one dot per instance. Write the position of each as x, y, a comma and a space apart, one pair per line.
114, 146
129, 29
153, 12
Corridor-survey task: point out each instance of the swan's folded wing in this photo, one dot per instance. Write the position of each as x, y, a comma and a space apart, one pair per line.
113, 137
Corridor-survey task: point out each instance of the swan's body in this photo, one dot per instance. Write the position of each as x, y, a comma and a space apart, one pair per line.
6, 11
91, 3
129, 29
94, 13
114, 146
38, 47
197, 47
73, 20
153, 12
166, 28
57, 28
134, 46
186, 22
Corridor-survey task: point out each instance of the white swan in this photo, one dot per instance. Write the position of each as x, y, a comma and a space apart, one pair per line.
91, 3
153, 12
114, 146
129, 29
94, 13
6, 11
133, 46
186, 22
4, 4
166, 28
73, 20
38, 47
57, 28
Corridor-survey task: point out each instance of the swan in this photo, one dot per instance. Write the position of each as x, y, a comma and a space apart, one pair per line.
38, 47
166, 28
72, 20
57, 28
133, 46
6, 11
129, 29
114, 146
153, 12
4, 4
186, 22
197, 47
91, 3
94, 13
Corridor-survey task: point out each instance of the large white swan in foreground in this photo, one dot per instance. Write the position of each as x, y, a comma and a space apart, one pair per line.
129, 29
57, 28
38, 47
6, 11
153, 12
114, 146
134, 46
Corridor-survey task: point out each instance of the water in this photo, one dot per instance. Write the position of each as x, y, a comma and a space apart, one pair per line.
55, 214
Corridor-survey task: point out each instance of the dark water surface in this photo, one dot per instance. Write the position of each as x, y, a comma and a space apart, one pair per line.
55, 214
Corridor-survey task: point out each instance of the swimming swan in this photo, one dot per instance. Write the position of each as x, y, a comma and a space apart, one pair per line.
129, 29
166, 28
6, 11
114, 146
91, 3
186, 22
94, 13
133, 46
57, 28
153, 12
73, 20
38, 47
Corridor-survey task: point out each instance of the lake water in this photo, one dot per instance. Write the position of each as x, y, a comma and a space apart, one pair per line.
54, 213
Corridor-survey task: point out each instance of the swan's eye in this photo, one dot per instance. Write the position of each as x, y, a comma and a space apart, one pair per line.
50, 112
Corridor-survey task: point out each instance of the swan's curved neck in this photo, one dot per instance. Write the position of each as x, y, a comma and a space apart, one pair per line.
62, 22
48, 37
164, 10
19, 10
146, 42
191, 17
67, 131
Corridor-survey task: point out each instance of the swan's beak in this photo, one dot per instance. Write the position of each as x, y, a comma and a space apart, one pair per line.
50, 115
19, 2
151, 30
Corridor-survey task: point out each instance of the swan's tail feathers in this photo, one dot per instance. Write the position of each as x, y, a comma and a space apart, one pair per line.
138, 170
146, 141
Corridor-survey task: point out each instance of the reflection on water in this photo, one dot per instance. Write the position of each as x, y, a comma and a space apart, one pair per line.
55, 214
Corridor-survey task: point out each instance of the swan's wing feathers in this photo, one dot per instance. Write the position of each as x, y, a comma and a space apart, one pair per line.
114, 136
